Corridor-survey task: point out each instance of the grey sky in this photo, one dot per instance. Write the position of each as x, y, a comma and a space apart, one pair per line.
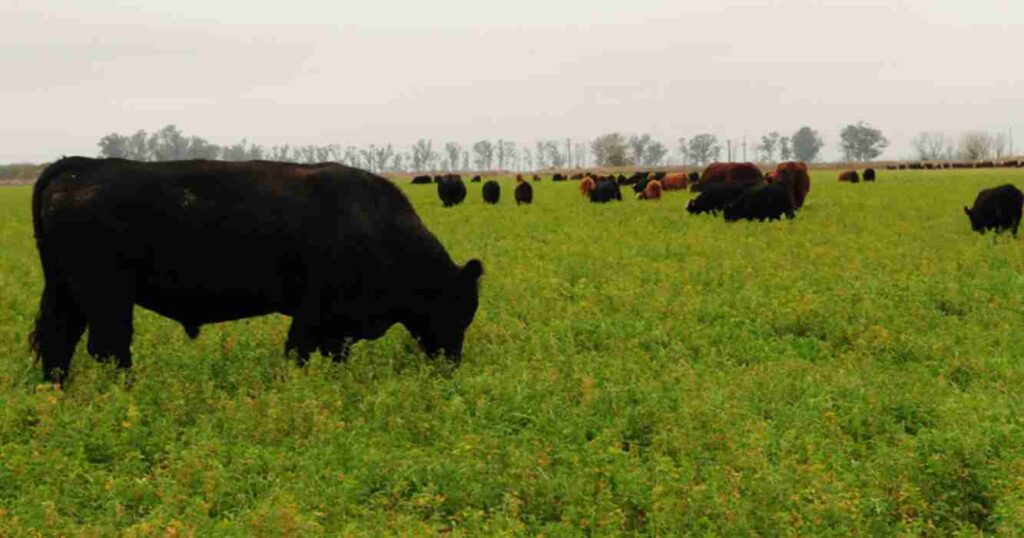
382, 71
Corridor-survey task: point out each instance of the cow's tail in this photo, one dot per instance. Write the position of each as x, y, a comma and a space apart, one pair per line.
58, 312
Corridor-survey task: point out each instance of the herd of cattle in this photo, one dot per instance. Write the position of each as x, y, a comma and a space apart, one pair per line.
740, 191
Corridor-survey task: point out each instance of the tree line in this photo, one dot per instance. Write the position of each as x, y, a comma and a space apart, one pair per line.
971, 146
859, 142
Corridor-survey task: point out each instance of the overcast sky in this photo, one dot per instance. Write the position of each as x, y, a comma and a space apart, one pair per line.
380, 71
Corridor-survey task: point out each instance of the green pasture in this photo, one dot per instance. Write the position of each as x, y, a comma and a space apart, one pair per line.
632, 370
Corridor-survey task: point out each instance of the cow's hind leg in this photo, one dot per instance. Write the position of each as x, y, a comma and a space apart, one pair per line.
110, 324
58, 328
301, 340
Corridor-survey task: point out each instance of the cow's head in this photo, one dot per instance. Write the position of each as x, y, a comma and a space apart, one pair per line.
975, 225
441, 327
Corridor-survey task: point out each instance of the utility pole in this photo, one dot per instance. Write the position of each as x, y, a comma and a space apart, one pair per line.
728, 145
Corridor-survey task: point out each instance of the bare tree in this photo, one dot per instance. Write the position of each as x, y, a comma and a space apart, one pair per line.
555, 157
769, 143
999, 142
684, 150
422, 154
114, 145
540, 154
527, 158
483, 154
610, 150
508, 149
975, 145
579, 154
382, 157
654, 154
704, 148
638, 146
785, 151
930, 146
454, 151
351, 157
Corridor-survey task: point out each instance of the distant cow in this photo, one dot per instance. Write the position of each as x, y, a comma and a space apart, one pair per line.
767, 201
729, 173
536, 177
605, 191
714, 197
451, 190
659, 175
694, 177
869, 174
491, 192
587, 186
651, 192
675, 182
524, 193
422, 180
339, 250
576, 176
794, 173
519, 177
476, 179
998, 209
558, 177
849, 176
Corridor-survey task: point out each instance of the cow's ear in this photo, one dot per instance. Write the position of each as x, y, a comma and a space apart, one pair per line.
967, 211
473, 269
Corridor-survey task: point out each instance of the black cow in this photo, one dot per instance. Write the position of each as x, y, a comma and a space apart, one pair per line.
659, 175
764, 201
558, 177
451, 190
716, 197
694, 177
476, 179
524, 193
339, 250
869, 174
605, 190
998, 209
422, 180
492, 192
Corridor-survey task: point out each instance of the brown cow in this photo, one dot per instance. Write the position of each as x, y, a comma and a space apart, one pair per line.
729, 173
587, 186
849, 176
770, 177
675, 182
795, 173
651, 192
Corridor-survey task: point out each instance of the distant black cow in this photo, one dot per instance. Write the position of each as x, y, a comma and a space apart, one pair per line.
536, 177
339, 250
694, 177
421, 180
605, 190
998, 209
476, 179
524, 193
659, 175
558, 177
451, 190
869, 174
716, 196
765, 201
576, 176
492, 192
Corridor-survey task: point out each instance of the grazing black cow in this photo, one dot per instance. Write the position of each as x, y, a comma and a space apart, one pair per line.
605, 190
694, 177
422, 180
716, 197
558, 177
476, 179
659, 175
451, 190
998, 209
492, 192
524, 193
869, 174
764, 201
338, 249
536, 177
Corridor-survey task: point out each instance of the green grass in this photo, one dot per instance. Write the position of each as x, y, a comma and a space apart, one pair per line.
632, 369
